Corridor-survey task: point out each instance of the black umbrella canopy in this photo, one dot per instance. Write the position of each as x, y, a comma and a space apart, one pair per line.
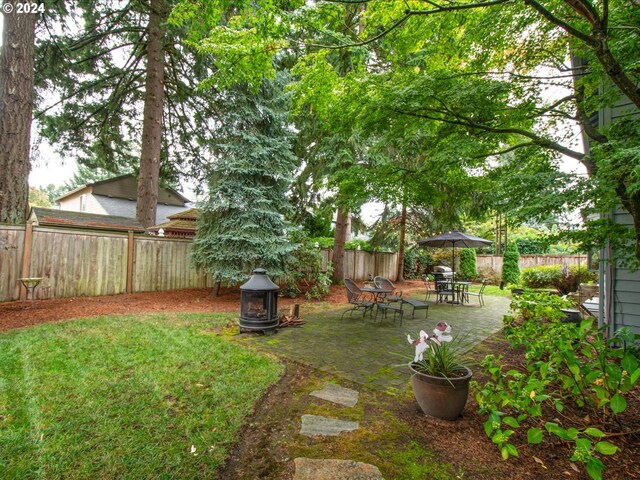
454, 239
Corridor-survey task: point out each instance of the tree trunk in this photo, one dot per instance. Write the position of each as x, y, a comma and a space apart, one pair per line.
152, 119
342, 220
16, 110
403, 227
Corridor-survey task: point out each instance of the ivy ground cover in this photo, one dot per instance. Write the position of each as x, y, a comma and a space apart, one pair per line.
153, 396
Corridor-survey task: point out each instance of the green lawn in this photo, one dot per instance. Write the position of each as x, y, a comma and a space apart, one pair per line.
153, 396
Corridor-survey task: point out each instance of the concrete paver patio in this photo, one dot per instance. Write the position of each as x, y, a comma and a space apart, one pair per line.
371, 352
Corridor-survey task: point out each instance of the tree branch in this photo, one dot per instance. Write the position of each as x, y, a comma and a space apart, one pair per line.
562, 24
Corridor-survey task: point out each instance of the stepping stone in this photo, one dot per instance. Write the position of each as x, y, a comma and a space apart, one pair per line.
313, 425
337, 394
312, 469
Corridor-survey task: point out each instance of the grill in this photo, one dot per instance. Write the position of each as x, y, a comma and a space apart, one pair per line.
442, 272
259, 304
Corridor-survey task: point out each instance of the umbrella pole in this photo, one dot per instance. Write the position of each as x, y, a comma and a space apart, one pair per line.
453, 260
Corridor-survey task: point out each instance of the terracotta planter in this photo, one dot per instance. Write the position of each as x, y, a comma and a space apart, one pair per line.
440, 397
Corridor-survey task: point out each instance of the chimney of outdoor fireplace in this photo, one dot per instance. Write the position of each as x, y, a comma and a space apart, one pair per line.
259, 304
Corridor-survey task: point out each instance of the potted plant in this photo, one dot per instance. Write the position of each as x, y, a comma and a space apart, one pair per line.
440, 381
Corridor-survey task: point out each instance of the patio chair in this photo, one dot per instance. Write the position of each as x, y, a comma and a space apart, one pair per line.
429, 286
479, 294
444, 289
356, 298
394, 294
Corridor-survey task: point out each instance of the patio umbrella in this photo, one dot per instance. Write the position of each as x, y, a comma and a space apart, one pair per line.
454, 239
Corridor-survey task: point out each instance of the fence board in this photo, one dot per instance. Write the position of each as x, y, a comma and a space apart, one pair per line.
494, 262
163, 264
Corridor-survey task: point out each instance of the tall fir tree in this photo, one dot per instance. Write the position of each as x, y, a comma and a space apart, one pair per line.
242, 224
119, 91
16, 104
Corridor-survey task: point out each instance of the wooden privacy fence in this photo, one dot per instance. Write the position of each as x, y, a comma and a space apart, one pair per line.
494, 262
358, 265
93, 263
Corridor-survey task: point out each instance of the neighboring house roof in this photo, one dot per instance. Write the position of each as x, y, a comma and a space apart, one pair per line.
190, 214
126, 186
64, 218
181, 224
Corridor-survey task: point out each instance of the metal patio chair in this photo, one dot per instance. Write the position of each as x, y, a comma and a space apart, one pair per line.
393, 295
356, 298
479, 294
429, 287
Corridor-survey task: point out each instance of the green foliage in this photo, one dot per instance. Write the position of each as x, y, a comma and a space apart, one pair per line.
511, 264
242, 225
444, 360
537, 305
323, 242
565, 364
38, 198
358, 245
552, 276
305, 266
532, 245
468, 263
416, 262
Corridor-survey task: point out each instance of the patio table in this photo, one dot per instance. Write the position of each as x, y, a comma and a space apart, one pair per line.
460, 288
376, 292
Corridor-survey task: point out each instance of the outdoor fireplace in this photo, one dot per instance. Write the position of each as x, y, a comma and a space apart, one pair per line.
259, 304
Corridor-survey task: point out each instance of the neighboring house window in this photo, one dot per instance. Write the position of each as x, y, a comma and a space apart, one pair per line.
83, 203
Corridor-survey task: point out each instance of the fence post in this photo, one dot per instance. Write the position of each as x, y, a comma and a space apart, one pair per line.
130, 261
26, 257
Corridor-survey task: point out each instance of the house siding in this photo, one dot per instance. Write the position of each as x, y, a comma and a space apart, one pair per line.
127, 208
625, 297
620, 287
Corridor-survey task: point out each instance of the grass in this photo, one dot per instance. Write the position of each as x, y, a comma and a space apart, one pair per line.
494, 291
153, 396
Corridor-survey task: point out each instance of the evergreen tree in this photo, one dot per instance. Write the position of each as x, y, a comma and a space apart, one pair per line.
468, 263
242, 224
511, 264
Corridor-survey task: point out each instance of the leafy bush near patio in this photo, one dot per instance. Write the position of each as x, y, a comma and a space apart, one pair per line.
415, 263
468, 263
151, 396
305, 268
552, 276
510, 264
571, 373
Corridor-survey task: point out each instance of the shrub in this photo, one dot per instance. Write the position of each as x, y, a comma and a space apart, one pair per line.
552, 276
510, 264
491, 275
305, 266
564, 364
415, 263
468, 263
